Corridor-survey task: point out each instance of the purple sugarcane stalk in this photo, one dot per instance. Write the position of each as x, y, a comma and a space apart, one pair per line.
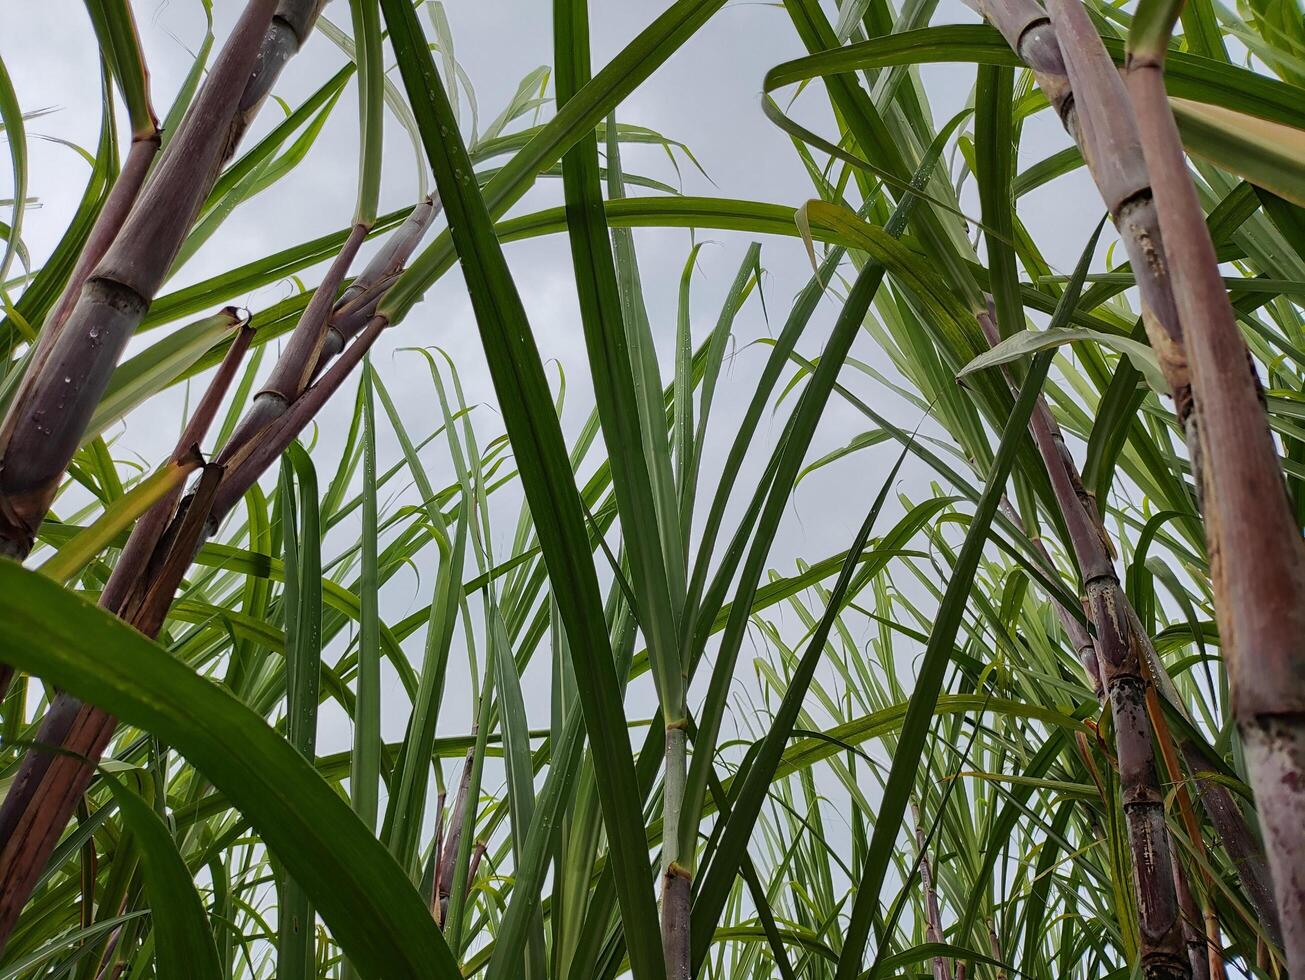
1257, 557
49, 413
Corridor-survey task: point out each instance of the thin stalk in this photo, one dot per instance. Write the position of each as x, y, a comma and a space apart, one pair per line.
294, 368
245, 469
50, 411
677, 871
994, 947
1197, 924
357, 304
48, 786
460, 880
1257, 555
1193, 931
437, 864
141, 543
1093, 107
328, 324
1119, 661
933, 919
449, 852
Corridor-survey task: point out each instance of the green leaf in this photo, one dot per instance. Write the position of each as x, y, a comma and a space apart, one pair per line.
1267, 154
536, 437
942, 637
371, 106
1028, 342
71, 558
301, 541
360, 892
365, 776
994, 151
182, 941
159, 366
635, 62
115, 29
624, 374
1148, 35
11, 114
719, 875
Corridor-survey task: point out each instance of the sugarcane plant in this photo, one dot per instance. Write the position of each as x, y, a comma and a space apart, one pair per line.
1038, 717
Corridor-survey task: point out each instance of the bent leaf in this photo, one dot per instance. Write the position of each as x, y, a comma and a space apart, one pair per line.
1268, 154
1029, 342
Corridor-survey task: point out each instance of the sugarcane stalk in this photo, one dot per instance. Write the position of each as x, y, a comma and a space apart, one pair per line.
1094, 110
1239, 843
473, 868
140, 589
1257, 558
357, 304
1094, 107
1225, 816
437, 853
293, 369
320, 335
146, 139
449, 852
1162, 952
458, 851
45, 421
1200, 927
1193, 930
49, 784
994, 947
126, 186
933, 919
38, 806
677, 871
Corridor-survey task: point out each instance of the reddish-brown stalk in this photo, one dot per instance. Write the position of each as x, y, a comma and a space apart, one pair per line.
1257, 556
156, 556
1119, 662
1095, 109
457, 827
933, 919
45, 421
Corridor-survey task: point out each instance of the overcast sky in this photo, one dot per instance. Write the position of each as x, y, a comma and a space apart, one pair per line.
707, 96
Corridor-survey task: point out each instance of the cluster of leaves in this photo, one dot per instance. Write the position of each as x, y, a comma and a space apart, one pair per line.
924, 777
